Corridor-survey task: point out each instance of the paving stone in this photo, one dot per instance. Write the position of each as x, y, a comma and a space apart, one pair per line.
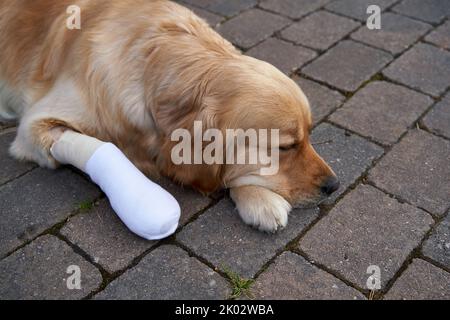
212, 18
357, 9
440, 36
348, 155
222, 238
417, 170
11, 168
291, 277
319, 30
396, 34
7, 124
105, 238
223, 7
37, 201
321, 99
198, 3
437, 119
39, 271
347, 65
437, 246
293, 8
283, 55
246, 29
108, 241
423, 67
427, 10
167, 273
382, 111
365, 228
421, 281
230, 7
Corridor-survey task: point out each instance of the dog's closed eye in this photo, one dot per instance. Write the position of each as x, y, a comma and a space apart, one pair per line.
288, 147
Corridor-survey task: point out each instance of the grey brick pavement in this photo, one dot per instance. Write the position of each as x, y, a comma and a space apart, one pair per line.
283, 55
357, 9
438, 119
320, 30
396, 35
421, 280
366, 228
347, 65
427, 10
380, 101
440, 36
423, 67
396, 107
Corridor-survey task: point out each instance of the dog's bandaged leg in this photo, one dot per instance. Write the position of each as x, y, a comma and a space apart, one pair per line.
145, 207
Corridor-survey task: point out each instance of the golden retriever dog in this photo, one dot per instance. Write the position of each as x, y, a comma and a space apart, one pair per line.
137, 70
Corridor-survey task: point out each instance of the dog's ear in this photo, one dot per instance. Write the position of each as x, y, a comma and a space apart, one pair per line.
202, 177
178, 106
179, 110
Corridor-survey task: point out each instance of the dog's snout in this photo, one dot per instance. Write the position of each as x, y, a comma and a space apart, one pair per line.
330, 185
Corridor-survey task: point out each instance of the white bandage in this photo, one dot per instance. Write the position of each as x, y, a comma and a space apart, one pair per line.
75, 149
146, 209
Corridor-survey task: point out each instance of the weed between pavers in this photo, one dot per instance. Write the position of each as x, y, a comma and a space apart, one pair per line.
85, 206
240, 285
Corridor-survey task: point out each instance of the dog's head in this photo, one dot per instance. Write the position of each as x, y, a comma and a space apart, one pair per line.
269, 99
248, 94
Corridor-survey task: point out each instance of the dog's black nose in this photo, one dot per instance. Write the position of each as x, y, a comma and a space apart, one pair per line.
330, 185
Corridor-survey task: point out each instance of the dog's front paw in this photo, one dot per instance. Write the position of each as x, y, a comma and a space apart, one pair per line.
261, 208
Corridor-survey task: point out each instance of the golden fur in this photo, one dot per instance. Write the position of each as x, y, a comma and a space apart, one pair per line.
139, 69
